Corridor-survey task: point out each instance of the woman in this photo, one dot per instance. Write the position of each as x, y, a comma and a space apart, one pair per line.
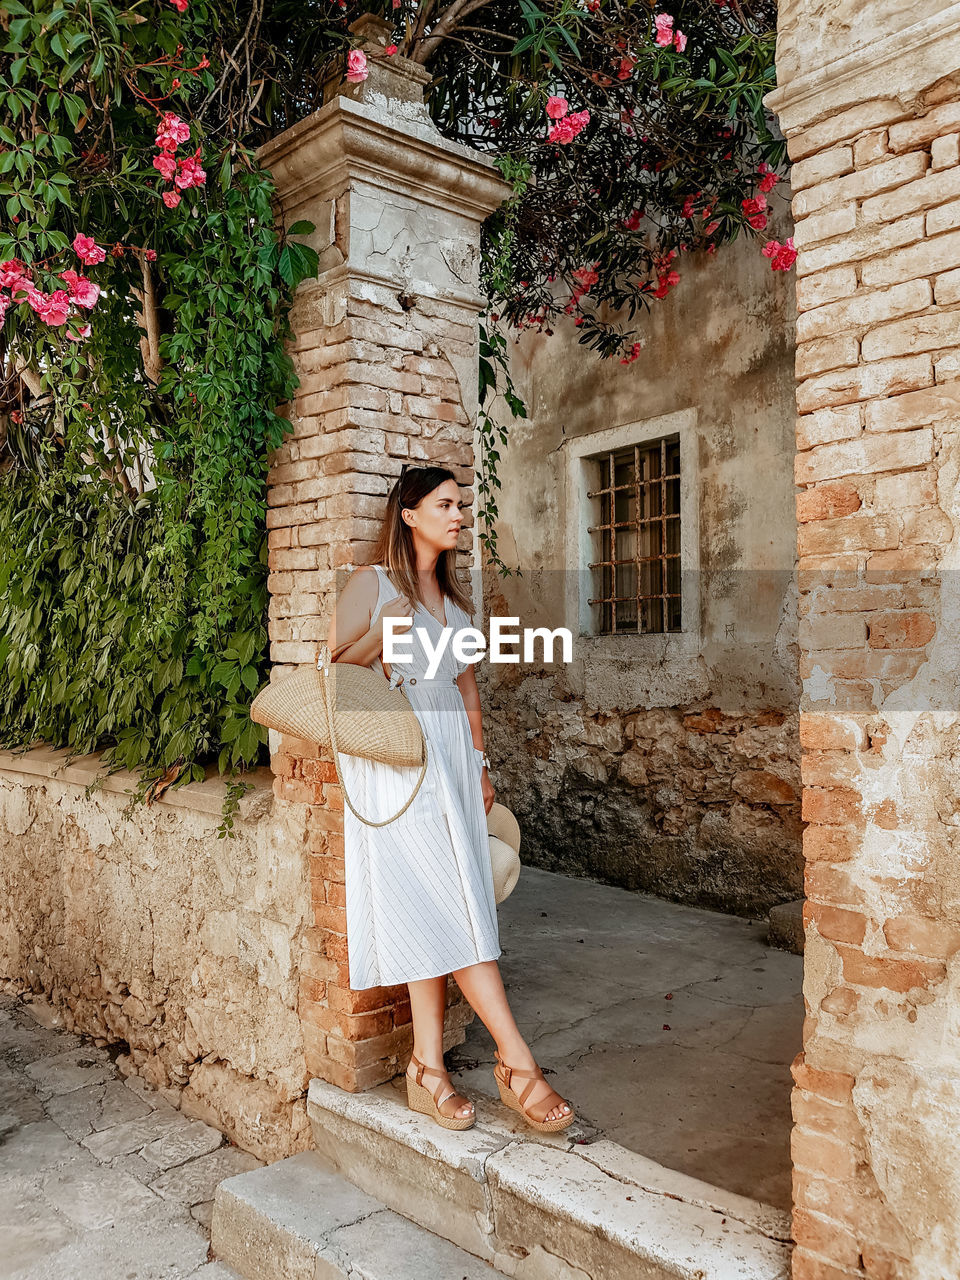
419, 891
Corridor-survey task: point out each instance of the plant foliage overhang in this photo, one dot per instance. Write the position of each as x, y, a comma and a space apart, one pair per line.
144, 292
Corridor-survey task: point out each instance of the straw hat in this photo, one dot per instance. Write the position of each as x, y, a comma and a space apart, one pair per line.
504, 832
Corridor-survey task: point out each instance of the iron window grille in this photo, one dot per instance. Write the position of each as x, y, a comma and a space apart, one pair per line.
638, 573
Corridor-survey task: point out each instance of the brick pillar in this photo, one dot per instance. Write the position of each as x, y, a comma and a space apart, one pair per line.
870, 105
386, 353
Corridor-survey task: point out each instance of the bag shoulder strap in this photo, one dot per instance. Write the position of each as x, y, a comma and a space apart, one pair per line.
323, 665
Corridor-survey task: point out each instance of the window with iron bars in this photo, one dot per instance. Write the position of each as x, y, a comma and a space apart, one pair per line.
638, 573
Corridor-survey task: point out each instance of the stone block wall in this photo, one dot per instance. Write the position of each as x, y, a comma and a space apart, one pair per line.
152, 935
876, 1103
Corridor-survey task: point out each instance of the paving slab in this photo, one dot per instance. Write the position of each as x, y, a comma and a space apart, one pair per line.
26, 1040
63, 1072
32, 1228
91, 1195
135, 1249
95, 1106
179, 1145
36, 1146
75, 1199
132, 1135
191, 1183
18, 1101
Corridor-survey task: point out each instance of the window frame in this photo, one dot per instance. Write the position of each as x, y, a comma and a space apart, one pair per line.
580, 454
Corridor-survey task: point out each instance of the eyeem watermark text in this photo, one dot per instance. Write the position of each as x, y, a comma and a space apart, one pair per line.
469, 643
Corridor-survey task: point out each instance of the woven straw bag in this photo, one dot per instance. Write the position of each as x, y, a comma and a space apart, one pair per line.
349, 708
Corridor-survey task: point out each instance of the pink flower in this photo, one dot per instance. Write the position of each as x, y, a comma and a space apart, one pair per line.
83, 331
83, 291
24, 290
632, 354
755, 205
782, 256
190, 174
557, 107
687, 210
664, 25
665, 282
180, 5
586, 276
87, 250
150, 255
711, 227
758, 221
52, 308
625, 70
356, 66
769, 181
679, 41
165, 164
171, 199
390, 50
5, 302
632, 223
12, 272
171, 132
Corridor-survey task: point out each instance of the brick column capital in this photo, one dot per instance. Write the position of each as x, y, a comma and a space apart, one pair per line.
391, 198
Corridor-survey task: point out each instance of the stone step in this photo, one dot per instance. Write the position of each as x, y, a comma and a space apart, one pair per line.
537, 1207
298, 1219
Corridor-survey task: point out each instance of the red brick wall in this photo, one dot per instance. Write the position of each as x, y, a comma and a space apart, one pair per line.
877, 208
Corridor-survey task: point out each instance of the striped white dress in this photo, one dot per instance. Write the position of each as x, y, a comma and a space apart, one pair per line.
419, 891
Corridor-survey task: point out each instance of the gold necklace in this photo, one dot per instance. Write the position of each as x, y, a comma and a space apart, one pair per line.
434, 612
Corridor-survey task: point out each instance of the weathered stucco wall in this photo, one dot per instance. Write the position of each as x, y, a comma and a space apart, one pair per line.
668, 765
153, 934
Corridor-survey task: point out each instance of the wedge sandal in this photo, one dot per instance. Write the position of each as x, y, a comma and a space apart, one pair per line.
419, 1098
504, 1074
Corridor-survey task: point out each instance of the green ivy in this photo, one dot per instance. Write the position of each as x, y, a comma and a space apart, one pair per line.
133, 597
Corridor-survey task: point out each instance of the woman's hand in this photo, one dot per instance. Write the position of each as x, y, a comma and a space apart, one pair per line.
398, 607
486, 790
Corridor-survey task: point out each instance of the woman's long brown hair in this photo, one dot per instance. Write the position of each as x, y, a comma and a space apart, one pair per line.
394, 546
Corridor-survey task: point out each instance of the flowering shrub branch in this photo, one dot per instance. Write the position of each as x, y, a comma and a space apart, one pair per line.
642, 137
635, 135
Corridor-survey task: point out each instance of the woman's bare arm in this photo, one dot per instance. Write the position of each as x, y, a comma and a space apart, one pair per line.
350, 630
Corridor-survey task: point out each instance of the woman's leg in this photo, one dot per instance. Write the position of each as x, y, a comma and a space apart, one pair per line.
483, 986
427, 1003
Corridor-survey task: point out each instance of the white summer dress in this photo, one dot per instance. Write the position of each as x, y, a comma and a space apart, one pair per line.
419, 892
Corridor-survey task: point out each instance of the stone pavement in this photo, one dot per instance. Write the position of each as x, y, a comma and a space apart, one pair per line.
100, 1176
